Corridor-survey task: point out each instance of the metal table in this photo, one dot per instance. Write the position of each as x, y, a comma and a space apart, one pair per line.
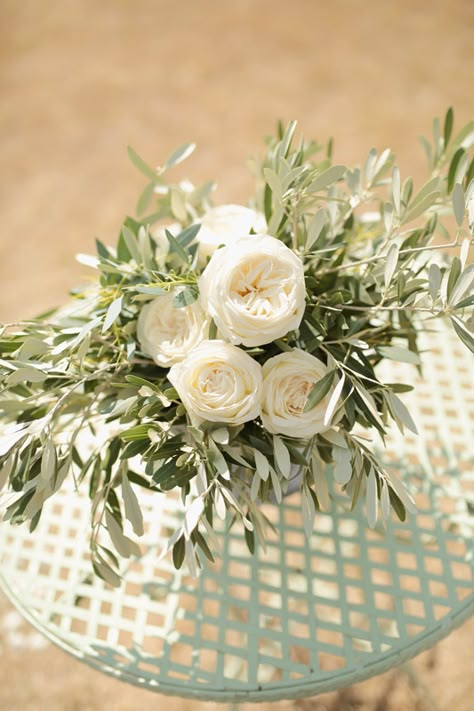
304, 617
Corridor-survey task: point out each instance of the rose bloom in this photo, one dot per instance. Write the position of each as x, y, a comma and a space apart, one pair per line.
224, 225
167, 333
218, 382
288, 379
254, 290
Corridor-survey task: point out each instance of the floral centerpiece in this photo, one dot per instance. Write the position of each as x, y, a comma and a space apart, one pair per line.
231, 352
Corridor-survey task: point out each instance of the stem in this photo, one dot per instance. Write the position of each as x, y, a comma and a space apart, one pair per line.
17, 324
359, 335
377, 307
64, 397
97, 525
295, 225
402, 252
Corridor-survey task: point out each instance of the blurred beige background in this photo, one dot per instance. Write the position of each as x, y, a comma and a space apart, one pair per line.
79, 80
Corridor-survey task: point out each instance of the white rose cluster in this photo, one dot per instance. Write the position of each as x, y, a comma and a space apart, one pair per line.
288, 379
253, 288
224, 225
167, 333
218, 382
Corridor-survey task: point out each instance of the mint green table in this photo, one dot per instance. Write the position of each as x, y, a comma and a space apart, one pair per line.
301, 618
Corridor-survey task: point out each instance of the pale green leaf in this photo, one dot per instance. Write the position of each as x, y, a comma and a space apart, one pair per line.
382, 163
113, 313
10, 439
335, 437
132, 507
275, 219
48, 461
427, 149
120, 541
150, 290
83, 349
282, 457
465, 336
388, 216
421, 207
144, 199
385, 501
28, 374
391, 264
458, 203
369, 402
342, 465
106, 573
403, 355
371, 499
179, 155
262, 465
465, 247
176, 247
434, 279
319, 472
178, 204
456, 168
192, 516
219, 504
448, 126
220, 435
88, 260
255, 486
201, 478
32, 347
464, 137
132, 244
287, 138
327, 178
6, 470
396, 188
146, 249
400, 412
319, 390
309, 511
212, 330
277, 491
74, 342
464, 283
314, 229
274, 182
140, 164
185, 297
370, 164
334, 401
401, 491
220, 462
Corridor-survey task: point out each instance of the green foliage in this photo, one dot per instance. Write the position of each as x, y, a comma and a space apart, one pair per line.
367, 240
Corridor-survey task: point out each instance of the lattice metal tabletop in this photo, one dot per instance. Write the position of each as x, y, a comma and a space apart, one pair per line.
301, 618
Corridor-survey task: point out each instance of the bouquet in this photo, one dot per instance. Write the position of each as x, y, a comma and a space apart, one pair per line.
231, 353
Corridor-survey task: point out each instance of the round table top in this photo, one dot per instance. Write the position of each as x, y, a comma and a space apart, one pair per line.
304, 616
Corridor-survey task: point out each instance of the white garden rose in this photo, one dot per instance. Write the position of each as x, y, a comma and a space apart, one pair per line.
218, 382
224, 225
288, 378
167, 333
254, 290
